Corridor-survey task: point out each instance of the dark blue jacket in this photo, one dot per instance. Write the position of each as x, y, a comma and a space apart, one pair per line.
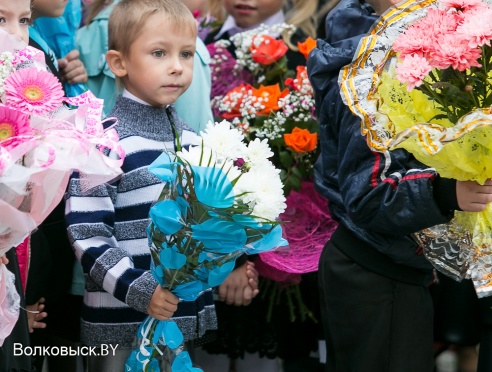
380, 198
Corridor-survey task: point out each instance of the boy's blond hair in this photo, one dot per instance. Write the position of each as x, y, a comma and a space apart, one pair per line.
129, 16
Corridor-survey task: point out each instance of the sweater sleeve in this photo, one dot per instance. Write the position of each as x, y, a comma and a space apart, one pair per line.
90, 217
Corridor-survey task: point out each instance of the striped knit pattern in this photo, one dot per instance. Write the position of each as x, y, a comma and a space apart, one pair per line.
107, 227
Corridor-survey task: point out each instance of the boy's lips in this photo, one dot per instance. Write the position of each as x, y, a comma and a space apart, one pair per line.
172, 86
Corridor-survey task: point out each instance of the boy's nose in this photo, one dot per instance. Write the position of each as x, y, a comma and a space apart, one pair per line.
176, 66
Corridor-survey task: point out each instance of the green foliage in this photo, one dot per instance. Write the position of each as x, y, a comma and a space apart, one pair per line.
460, 92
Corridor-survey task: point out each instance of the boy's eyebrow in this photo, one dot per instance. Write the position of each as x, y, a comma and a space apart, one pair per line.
166, 43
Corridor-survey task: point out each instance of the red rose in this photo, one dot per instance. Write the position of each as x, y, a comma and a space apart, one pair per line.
266, 50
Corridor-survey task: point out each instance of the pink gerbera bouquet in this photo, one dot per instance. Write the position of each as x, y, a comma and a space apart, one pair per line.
43, 136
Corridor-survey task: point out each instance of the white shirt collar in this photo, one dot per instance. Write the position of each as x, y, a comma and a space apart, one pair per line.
129, 95
231, 26
133, 97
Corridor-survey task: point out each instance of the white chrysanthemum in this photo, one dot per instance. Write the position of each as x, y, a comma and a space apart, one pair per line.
226, 141
197, 155
205, 157
258, 151
263, 191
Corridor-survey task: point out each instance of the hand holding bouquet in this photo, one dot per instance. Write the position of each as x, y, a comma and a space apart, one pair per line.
421, 81
220, 200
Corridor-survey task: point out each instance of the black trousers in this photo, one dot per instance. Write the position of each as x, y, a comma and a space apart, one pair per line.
372, 323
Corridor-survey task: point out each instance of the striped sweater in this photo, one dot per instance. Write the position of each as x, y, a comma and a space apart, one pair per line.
107, 227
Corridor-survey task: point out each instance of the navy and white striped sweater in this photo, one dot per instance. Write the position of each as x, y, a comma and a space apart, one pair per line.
107, 227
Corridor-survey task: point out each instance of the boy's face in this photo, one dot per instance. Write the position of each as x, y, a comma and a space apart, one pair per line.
49, 8
159, 65
250, 13
15, 16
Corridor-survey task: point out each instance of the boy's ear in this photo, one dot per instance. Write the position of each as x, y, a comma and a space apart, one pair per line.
116, 63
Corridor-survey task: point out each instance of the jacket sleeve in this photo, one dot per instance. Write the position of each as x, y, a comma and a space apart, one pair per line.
391, 192
90, 217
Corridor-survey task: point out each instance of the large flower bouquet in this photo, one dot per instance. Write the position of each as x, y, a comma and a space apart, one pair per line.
220, 200
43, 137
266, 100
421, 81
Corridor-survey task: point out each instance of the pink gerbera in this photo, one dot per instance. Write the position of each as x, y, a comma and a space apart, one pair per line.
14, 127
32, 90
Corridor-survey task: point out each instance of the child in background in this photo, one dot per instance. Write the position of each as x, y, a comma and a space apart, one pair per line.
92, 43
71, 69
152, 46
377, 312
249, 15
198, 94
59, 35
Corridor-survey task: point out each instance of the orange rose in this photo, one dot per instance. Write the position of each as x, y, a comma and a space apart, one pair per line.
234, 98
297, 83
270, 94
301, 140
267, 50
307, 46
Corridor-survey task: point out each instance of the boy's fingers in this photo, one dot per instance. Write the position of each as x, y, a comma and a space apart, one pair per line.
73, 54
253, 284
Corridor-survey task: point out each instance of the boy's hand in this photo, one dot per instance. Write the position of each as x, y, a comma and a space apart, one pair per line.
35, 315
163, 304
241, 286
473, 197
72, 69
4, 260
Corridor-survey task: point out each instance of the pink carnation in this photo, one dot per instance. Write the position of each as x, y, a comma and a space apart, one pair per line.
477, 28
420, 38
412, 71
413, 41
14, 127
453, 50
34, 91
438, 22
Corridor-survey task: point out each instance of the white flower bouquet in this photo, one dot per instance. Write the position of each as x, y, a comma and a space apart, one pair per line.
220, 200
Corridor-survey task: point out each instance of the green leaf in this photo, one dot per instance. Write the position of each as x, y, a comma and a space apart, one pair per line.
298, 172
285, 158
295, 182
